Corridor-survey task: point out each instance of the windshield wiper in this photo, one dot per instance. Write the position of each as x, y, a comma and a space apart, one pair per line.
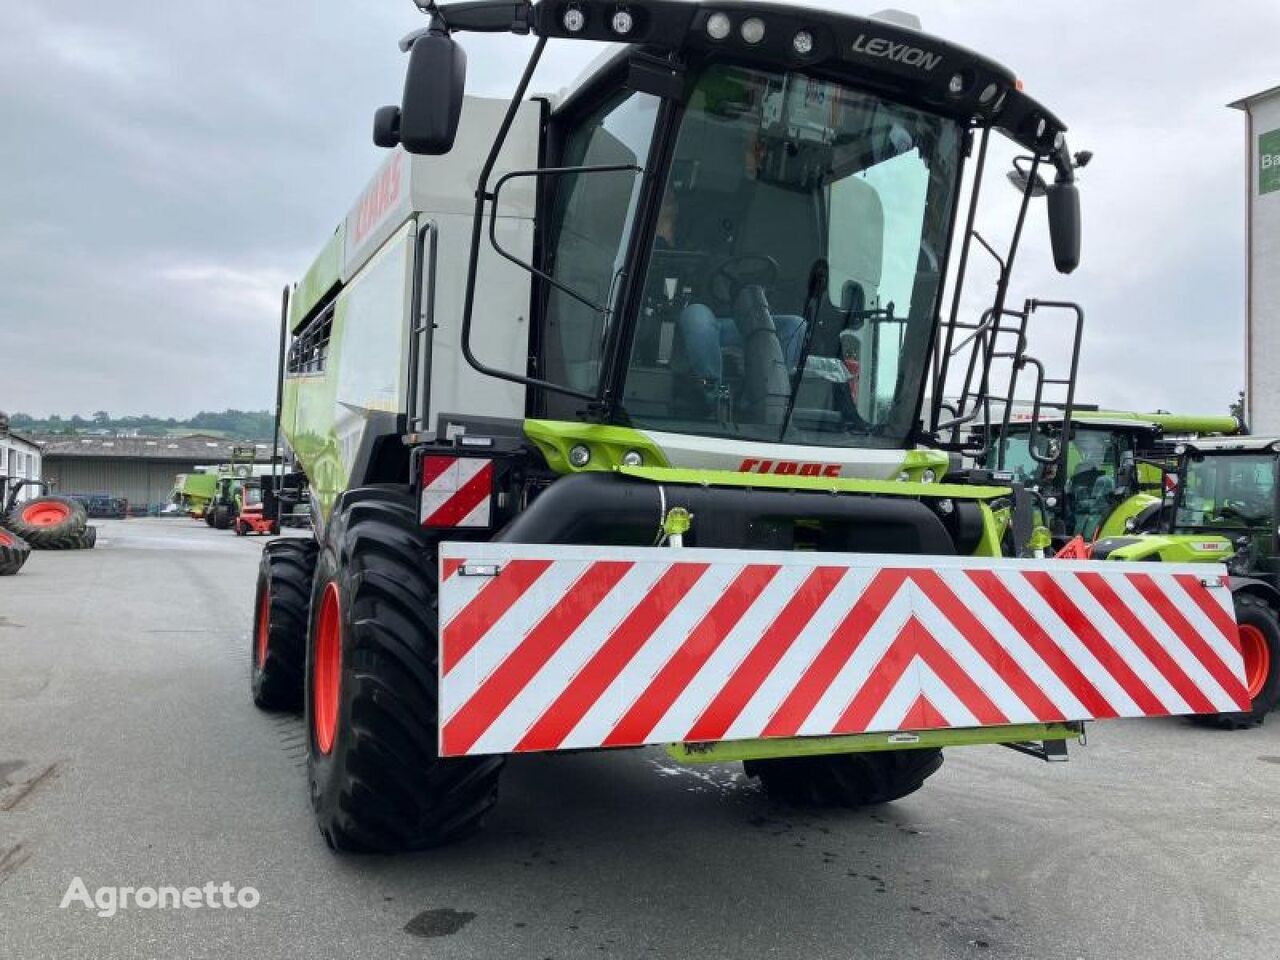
817, 287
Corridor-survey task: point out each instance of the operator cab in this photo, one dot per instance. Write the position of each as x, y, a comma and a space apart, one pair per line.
745, 214
1228, 487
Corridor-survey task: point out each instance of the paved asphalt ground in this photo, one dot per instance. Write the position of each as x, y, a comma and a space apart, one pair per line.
131, 756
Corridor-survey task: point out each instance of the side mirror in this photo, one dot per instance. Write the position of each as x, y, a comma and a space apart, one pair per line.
1064, 225
426, 121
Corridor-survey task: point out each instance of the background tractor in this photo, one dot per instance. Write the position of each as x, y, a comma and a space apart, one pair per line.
1223, 509
1106, 477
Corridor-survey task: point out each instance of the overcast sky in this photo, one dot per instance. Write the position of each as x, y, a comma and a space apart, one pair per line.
167, 167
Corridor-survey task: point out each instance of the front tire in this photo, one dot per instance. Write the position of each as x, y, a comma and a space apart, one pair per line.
846, 779
222, 518
1259, 629
281, 607
377, 783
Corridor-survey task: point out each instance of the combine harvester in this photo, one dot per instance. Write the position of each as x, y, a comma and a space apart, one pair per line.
610, 410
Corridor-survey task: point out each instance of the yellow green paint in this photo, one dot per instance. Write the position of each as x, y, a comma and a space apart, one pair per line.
779, 747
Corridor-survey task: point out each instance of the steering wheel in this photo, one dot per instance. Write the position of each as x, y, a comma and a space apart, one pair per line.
734, 273
1233, 508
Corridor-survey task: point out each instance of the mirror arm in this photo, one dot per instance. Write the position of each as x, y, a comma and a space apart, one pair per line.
602, 309
1064, 166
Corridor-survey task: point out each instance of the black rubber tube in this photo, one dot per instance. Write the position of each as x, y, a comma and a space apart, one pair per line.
604, 508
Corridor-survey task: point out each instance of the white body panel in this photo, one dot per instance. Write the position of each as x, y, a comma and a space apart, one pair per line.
722, 453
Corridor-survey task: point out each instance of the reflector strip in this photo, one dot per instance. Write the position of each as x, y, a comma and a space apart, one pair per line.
569, 647
456, 491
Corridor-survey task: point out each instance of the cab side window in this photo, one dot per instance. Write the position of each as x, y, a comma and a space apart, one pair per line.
590, 224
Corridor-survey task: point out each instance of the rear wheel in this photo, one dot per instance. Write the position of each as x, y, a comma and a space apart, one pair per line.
222, 517
1259, 631
49, 522
846, 779
14, 552
280, 623
377, 783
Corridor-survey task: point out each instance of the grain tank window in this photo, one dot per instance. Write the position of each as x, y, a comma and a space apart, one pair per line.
309, 351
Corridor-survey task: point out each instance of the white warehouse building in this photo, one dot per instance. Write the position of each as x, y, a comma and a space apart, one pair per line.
19, 458
1262, 347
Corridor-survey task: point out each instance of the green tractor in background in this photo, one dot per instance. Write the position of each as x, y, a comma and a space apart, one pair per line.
1108, 477
1222, 508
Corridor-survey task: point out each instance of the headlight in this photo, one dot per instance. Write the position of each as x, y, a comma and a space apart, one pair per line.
718, 26
802, 43
904, 476
928, 476
752, 30
633, 458
579, 455
574, 19
622, 22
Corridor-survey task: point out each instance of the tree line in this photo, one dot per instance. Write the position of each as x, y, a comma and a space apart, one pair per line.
256, 425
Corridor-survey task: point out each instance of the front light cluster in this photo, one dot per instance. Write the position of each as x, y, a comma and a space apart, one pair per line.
574, 20
753, 30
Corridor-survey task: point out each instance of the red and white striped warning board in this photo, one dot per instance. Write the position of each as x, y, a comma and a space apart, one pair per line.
566, 647
456, 491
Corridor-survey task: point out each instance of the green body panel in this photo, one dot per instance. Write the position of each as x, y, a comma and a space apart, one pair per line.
607, 444
193, 491
307, 419
196, 486
893, 488
916, 462
994, 524
324, 274
737, 750
1114, 524
1171, 422
1176, 548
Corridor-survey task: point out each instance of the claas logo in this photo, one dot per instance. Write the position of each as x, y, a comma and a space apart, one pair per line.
790, 468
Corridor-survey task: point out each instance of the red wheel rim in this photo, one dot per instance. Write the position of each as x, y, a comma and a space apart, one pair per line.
47, 513
264, 625
5, 539
326, 673
1257, 658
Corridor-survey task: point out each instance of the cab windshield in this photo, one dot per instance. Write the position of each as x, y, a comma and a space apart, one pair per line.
796, 264
1232, 491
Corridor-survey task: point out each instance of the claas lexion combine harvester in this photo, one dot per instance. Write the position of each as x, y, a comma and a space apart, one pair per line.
621, 415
